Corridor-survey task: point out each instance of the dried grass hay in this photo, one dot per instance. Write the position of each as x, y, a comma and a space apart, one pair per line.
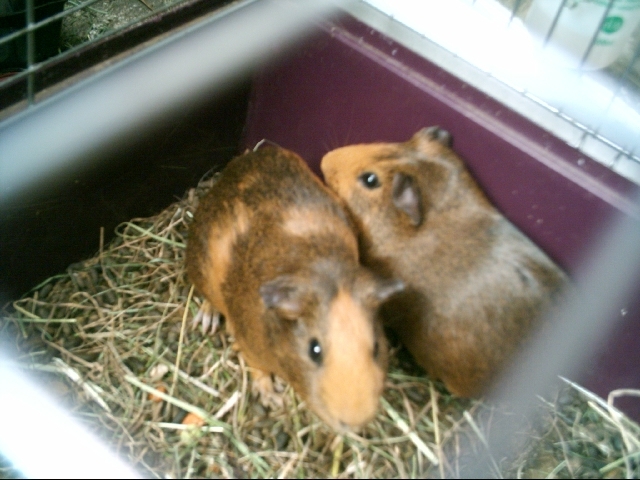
112, 336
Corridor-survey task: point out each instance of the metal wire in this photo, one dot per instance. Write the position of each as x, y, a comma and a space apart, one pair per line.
592, 42
31, 48
554, 23
514, 10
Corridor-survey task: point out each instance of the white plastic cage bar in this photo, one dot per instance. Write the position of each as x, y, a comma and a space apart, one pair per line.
487, 44
42, 440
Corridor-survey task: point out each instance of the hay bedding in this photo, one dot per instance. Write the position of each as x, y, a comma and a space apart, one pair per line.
113, 337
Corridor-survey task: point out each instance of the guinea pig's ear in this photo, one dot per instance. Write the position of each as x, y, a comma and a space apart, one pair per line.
388, 288
406, 197
430, 134
378, 289
285, 295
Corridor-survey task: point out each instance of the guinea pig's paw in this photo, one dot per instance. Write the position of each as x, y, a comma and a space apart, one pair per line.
263, 386
209, 317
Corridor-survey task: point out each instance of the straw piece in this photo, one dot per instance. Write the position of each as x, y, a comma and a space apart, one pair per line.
154, 236
402, 425
59, 366
30, 317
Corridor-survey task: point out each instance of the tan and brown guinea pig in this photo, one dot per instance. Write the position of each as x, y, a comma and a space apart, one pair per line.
272, 249
474, 284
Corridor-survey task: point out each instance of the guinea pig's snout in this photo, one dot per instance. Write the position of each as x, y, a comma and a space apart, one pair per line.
353, 406
353, 419
352, 378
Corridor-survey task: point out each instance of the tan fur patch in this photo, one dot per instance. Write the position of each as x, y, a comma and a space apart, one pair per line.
222, 238
352, 381
303, 222
247, 182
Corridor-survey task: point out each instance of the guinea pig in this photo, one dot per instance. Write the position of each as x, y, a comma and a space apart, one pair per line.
273, 250
474, 284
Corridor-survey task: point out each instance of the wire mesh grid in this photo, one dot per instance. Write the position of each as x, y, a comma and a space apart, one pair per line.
571, 66
37, 34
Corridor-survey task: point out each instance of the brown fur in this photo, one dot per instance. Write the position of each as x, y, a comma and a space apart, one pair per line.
474, 283
272, 249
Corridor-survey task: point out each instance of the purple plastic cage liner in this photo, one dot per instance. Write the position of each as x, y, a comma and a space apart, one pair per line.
349, 84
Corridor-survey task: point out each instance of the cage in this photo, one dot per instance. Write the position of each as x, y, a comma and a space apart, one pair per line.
119, 126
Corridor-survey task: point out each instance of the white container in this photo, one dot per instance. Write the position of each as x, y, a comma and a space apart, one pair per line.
611, 22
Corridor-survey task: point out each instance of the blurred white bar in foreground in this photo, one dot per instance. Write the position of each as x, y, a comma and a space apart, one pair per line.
42, 440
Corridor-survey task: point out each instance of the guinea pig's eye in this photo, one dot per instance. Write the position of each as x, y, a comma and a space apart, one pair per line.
315, 351
369, 180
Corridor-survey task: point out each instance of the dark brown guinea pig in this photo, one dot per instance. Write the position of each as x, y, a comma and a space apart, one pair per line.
474, 284
272, 249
